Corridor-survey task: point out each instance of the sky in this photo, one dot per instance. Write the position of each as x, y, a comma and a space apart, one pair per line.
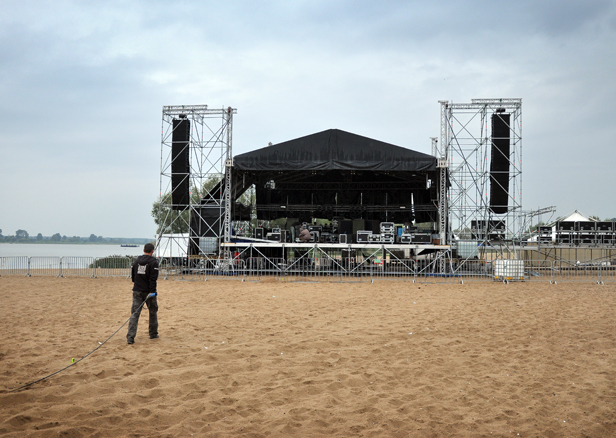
82, 86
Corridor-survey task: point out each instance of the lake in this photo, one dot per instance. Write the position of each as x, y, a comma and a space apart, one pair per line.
66, 250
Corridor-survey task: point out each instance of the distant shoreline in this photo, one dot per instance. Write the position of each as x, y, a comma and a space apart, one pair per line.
46, 242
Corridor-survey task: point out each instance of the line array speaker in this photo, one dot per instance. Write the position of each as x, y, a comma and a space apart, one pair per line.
499, 164
180, 164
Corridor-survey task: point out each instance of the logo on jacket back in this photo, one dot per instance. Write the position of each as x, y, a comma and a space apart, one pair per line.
141, 269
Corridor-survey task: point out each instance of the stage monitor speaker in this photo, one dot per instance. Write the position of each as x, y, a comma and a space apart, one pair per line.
499, 164
345, 226
180, 164
358, 225
374, 226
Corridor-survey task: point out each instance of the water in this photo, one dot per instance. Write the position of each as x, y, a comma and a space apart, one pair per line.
65, 250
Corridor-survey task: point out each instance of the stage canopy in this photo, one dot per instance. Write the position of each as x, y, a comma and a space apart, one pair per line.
339, 174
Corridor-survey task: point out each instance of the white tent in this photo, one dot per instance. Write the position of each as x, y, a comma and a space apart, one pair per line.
576, 216
172, 245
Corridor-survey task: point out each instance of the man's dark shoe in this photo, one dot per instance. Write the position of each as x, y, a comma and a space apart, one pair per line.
130, 341
154, 337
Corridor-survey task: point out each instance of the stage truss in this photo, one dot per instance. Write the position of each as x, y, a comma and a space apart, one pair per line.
464, 154
210, 162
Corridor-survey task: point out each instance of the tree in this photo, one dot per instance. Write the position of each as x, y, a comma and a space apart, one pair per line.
170, 221
167, 220
56, 237
39, 236
21, 234
92, 238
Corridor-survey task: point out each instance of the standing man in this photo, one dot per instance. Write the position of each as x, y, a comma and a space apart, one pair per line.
144, 274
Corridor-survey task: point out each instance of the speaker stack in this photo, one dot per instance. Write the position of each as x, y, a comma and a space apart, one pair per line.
180, 164
499, 164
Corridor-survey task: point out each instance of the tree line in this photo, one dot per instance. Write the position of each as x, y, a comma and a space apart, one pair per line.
22, 236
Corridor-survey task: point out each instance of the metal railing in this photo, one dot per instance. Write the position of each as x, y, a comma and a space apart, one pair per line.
323, 268
114, 266
49, 266
77, 267
14, 265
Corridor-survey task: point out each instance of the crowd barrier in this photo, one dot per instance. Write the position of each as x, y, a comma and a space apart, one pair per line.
48, 266
324, 268
67, 266
76, 267
14, 265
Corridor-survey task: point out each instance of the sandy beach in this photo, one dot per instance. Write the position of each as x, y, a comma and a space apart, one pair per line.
275, 359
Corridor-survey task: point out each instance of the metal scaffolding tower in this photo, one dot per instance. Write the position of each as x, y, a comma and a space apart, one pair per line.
194, 208
467, 152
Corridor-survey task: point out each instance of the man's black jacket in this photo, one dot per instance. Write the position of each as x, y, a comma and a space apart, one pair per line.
145, 273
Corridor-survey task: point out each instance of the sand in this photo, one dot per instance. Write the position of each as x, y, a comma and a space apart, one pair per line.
273, 359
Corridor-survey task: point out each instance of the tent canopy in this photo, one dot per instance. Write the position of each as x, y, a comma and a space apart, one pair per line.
335, 150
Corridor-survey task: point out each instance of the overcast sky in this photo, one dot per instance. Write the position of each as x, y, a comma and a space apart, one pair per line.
82, 86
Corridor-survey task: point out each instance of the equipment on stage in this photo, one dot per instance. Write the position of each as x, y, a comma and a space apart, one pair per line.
274, 236
387, 227
421, 238
314, 236
387, 237
363, 236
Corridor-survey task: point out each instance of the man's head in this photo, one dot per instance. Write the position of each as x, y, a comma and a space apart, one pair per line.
148, 248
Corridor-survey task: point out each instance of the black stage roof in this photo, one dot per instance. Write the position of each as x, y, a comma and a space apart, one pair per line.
334, 150
335, 173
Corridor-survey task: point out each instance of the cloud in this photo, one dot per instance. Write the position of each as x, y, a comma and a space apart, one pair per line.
83, 85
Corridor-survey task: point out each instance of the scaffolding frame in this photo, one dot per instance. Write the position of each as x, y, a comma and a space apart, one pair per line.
210, 161
464, 156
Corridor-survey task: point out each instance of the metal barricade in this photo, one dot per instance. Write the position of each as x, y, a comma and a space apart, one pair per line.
608, 272
575, 271
113, 266
44, 266
176, 268
352, 270
539, 270
395, 269
436, 270
14, 266
165, 269
473, 270
297, 270
307, 269
223, 269
77, 267
262, 268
